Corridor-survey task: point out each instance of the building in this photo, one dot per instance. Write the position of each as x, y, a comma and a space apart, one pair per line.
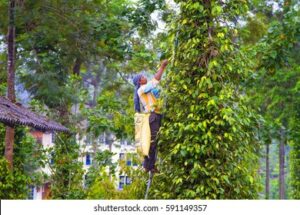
123, 150
47, 140
12, 114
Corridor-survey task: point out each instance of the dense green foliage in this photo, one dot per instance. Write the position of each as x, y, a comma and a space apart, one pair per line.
207, 140
29, 157
13, 185
67, 172
100, 180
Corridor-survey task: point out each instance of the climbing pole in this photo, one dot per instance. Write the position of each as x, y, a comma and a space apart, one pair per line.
174, 49
149, 182
151, 174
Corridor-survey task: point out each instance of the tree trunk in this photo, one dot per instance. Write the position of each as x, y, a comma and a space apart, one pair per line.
9, 135
267, 171
9, 145
281, 165
11, 53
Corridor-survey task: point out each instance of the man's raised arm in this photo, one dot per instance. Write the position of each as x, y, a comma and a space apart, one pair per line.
160, 71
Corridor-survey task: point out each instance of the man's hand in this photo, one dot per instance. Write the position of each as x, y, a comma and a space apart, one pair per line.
160, 71
165, 63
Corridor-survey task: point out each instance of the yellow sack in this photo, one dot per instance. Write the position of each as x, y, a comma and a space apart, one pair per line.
142, 133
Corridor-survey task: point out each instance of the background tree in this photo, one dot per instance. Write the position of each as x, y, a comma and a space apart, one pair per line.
272, 87
10, 132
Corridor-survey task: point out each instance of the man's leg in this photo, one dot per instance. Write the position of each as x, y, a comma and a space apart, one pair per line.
146, 163
155, 121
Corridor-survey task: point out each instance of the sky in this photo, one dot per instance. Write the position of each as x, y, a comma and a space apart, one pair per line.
161, 26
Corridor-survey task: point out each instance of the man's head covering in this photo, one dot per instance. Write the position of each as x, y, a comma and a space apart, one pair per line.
136, 81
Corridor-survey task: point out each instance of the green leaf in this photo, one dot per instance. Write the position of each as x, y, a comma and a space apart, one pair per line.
217, 10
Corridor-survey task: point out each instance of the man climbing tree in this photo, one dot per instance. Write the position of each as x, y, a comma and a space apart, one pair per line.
146, 95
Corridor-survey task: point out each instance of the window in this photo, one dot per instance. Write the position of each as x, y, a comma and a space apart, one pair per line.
88, 159
134, 162
102, 138
128, 180
128, 143
128, 162
122, 156
53, 137
121, 181
51, 158
108, 139
39, 140
131, 159
88, 139
125, 142
85, 181
31, 192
